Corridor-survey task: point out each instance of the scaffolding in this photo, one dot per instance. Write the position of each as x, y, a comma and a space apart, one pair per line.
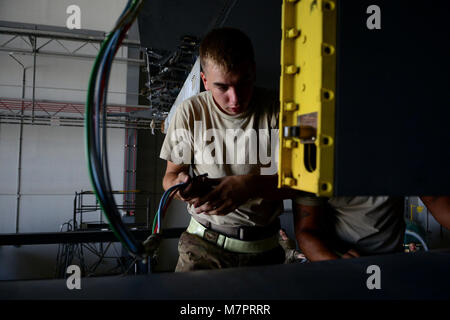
66, 113
85, 203
166, 72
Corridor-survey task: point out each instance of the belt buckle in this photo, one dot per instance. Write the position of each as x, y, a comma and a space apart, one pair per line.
211, 236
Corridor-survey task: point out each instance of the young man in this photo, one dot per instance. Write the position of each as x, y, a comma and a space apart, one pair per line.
349, 227
223, 132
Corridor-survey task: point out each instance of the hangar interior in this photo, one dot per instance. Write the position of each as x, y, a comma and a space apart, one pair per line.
49, 215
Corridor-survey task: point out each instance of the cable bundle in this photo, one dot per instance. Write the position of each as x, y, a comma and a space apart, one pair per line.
163, 205
95, 142
170, 193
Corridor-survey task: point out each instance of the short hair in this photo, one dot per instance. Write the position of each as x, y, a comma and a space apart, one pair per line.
229, 48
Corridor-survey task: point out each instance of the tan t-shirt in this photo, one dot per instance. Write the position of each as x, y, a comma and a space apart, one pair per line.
219, 144
370, 224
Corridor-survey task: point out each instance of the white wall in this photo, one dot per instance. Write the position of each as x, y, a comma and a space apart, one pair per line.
60, 79
95, 14
53, 169
53, 157
68, 74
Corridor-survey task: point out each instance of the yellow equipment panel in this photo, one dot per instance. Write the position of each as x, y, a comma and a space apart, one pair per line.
307, 92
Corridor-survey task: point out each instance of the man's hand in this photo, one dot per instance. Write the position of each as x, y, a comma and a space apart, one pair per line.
182, 177
196, 188
232, 191
176, 174
229, 193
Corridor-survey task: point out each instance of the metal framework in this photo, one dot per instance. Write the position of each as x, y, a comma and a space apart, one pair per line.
61, 113
66, 113
80, 208
70, 245
30, 33
167, 71
41, 40
84, 203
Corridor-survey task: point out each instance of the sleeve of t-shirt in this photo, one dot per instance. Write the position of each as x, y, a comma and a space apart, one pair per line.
179, 141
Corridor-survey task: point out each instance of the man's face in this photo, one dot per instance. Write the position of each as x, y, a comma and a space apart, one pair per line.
231, 91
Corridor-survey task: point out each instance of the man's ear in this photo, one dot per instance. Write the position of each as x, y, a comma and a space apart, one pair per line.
205, 82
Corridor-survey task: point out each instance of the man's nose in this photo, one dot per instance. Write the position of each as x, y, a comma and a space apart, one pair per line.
233, 96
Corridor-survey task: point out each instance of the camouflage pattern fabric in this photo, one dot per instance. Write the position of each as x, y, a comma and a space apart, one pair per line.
292, 255
199, 254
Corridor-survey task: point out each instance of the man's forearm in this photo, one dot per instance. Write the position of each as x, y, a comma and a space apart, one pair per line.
313, 248
440, 208
169, 180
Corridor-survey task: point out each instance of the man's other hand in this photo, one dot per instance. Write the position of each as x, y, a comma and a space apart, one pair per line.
229, 193
196, 188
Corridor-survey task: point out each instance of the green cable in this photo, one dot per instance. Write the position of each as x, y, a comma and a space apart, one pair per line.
88, 110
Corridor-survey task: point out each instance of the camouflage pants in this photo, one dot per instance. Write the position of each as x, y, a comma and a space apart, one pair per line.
199, 254
292, 255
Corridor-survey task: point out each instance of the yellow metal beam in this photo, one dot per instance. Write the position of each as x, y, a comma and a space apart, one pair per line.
307, 95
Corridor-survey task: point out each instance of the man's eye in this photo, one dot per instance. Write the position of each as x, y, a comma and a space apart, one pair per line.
223, 89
